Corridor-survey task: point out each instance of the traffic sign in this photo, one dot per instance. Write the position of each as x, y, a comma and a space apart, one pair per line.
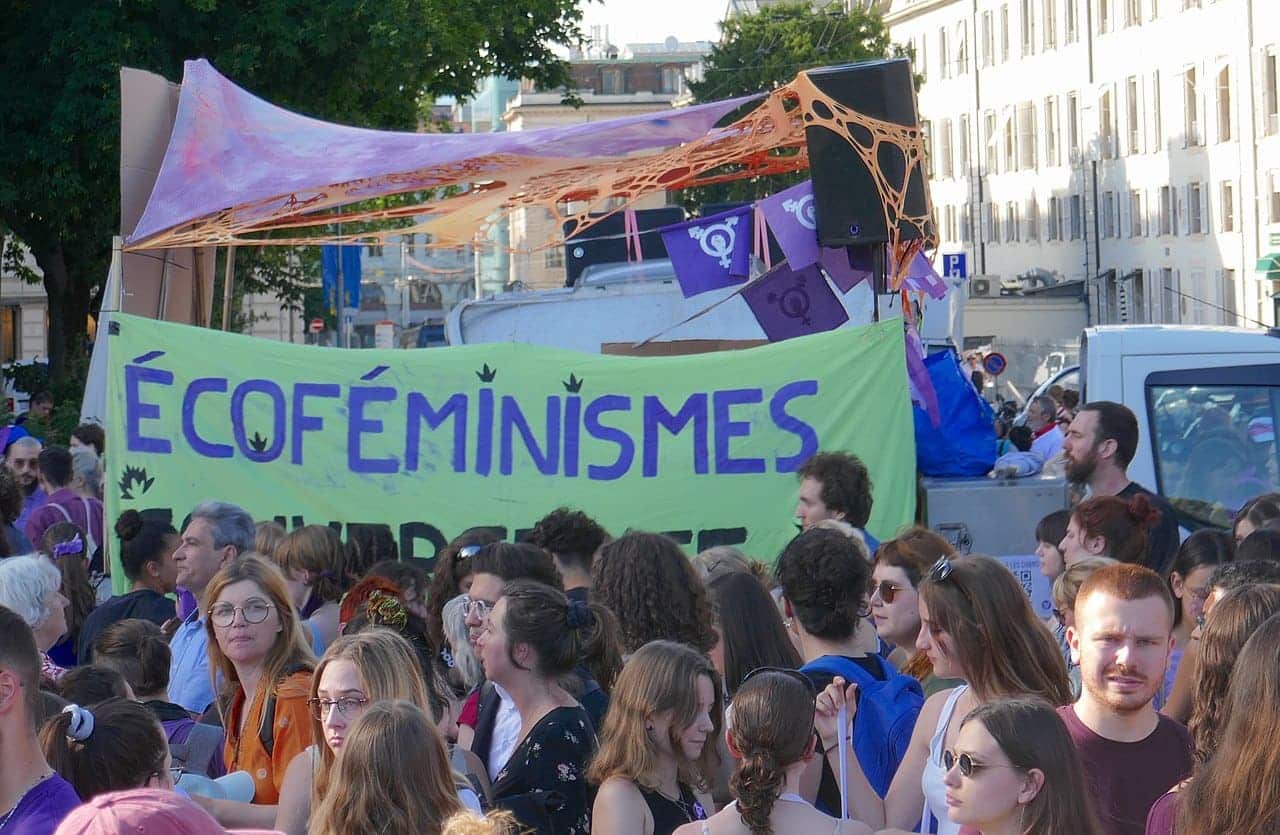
955, 265
317, 325
994, 364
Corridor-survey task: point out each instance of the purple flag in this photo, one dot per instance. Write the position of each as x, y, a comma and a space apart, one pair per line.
789, 303
922, 277
918, 381
847, 267
710, 252
790, 215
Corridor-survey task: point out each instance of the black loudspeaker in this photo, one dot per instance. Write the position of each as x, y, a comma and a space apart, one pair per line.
605, 241
847, 203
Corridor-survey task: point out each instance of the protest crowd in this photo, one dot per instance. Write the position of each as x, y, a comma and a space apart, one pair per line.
586, 681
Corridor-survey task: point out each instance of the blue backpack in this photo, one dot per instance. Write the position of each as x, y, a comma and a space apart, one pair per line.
886, 715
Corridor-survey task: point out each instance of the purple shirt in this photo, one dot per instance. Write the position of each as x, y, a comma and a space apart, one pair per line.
66, 505
30, 505
41, 810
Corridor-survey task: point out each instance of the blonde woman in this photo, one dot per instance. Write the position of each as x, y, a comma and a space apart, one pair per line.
392, 777
356, 672
657, 753
258, 649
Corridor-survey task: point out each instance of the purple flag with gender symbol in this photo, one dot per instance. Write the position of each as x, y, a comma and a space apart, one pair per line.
791, 218
708, 253
847, 267
789, 303
922, 277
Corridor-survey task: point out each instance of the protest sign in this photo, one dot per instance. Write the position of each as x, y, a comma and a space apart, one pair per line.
431, 442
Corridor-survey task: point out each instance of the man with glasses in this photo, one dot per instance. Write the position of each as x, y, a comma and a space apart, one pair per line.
497, 728
1121, 638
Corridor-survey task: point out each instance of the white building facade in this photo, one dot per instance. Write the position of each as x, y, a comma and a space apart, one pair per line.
1131, 143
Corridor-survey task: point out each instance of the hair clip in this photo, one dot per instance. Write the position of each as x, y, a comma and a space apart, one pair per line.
72, 547
387, 610
80, 727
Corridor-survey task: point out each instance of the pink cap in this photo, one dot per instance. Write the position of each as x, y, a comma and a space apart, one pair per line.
144, 812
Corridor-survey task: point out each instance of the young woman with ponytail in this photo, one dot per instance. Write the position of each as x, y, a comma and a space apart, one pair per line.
531, 640
117, 745
772, 738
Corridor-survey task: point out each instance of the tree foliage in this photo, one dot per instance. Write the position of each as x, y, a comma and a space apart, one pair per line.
760, 52
366, 62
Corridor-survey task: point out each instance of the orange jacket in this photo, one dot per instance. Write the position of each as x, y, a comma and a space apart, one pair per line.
291, 733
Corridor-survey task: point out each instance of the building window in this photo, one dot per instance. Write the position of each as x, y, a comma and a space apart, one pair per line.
1011, 231
1190, 109
1190, 4
1132, 122
1155, 9
611, 81
1168, 211
1050, 25
1054, 231
1135, 214
1051, 131
1224, 104
1273, 197
1077, 217
1227, 197
1106, 125
1033, 220
1195, 209
1010, 140
1172, 296
1026, 136
1229, 297
1270, 93
926, 128
1104, 16
988, 40
10, 319
1004, 33
1109, 214
1073, 126
1132, 12
1069, 19
966, 221
962, 48
944, 150
923, 54
1028, 27
553, 258
673, 80
950, 223
1157, 119
992, 221
375, 250
944, 59
414, 246
962, 142
989, 140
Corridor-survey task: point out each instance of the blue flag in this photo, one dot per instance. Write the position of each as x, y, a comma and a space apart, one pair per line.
350, 257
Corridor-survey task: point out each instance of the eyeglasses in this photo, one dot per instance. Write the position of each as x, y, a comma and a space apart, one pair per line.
886, 590
941, 570
795, 674
255, 611
466, 552
480, 608
968, 766
348, 707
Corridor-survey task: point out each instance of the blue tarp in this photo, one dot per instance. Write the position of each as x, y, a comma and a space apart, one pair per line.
965, 443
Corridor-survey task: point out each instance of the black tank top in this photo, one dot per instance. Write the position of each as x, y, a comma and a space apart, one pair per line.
669, 814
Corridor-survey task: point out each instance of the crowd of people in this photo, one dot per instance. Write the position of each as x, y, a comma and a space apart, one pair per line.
581, 682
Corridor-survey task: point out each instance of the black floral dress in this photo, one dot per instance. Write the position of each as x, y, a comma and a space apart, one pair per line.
544, 783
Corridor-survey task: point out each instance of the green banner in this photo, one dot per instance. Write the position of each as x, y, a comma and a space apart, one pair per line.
431, 442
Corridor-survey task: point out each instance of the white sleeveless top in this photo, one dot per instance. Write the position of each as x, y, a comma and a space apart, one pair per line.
935, 793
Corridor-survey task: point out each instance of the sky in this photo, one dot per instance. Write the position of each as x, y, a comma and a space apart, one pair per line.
651, 21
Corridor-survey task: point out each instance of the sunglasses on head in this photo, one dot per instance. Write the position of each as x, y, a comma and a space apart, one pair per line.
466, 552
968, 765
941, 570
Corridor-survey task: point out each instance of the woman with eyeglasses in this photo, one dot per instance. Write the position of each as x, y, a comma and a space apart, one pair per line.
657, 751
900, 564
1014, 771
452, 575
976, 624
260, 652
772, 737
115, 745
357, 671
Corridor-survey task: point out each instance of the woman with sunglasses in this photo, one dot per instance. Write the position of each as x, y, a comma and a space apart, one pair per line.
356, 672
260, 651
901, 563
772, 738
452, 575
976, 625
658, 747
1015, 771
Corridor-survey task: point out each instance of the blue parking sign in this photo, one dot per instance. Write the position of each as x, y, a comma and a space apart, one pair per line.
954, 265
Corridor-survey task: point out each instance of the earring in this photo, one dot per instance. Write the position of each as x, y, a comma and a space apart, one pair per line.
786, 623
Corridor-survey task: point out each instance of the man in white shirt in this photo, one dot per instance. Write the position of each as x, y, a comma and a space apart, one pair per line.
1046, 437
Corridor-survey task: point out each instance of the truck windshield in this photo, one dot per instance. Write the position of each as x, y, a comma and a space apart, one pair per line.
1215, 447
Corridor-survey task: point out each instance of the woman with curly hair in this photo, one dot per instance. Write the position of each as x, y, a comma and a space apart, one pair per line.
1108, 526
452, 575
650, 585
657, 752
12, 540
772, 738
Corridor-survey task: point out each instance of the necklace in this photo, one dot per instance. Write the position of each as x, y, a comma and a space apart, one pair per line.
4, 822
691, 811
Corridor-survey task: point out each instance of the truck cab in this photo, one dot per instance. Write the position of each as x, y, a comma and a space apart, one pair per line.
1206, 399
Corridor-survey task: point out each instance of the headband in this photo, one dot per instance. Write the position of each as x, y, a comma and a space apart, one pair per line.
72, 547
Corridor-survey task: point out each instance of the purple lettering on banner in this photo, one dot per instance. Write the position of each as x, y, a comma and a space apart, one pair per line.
793, 221
358, 425
789, 423
136, 411
418, 409
258, 449
302, 422
572, 434
656, 415
789, 303
548, 461
727, 429
600, 431
484, 433
202, 385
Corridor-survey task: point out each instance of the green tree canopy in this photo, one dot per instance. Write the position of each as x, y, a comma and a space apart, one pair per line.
762, 51
366, 62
